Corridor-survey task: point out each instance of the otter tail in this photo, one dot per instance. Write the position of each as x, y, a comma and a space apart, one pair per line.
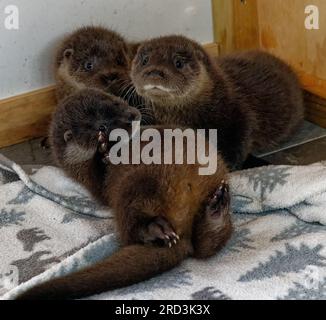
129, 265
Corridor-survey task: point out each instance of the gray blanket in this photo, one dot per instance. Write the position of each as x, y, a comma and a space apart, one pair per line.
50, 226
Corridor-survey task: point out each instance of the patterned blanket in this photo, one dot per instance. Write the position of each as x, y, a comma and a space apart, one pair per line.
50, 226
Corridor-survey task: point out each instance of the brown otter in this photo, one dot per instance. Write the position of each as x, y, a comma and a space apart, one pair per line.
252, 98
160, 210
95, 57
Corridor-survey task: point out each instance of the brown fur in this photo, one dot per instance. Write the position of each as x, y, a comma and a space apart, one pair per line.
252, 98
139, 195
110, 55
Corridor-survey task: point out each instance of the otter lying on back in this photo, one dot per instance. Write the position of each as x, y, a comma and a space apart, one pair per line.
252, 98
164, 213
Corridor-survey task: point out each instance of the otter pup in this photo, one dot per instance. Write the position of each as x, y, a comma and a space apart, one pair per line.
94, 57
252, 98
160, 210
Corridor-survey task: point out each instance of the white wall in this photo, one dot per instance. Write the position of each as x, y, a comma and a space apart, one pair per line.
26, 55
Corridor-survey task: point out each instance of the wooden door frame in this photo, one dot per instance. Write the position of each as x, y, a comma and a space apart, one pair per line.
235, 24
236, 27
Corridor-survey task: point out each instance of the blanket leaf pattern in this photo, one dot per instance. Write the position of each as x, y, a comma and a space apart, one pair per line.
277, 250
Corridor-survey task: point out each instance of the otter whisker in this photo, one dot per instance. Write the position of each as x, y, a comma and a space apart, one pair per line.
124, 88
127, 93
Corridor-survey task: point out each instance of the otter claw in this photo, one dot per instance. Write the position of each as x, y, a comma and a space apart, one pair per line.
101, 137
219, 201
160, 231
106, 158
173, 239
102, 148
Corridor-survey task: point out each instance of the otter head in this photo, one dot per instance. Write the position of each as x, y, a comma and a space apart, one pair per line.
169, 69
78, 120
95, 57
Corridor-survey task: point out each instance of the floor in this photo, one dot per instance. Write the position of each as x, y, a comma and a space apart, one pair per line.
28, 153
308, 146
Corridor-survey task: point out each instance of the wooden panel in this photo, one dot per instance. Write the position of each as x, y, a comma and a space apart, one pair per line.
212, 49
312, 83
26, 116
315, 109
282, 32
235, 24
278, 27
223, 24
246, 35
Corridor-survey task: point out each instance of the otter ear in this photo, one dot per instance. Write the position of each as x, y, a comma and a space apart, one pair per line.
134, 49
68, 135
68, 53
201, 55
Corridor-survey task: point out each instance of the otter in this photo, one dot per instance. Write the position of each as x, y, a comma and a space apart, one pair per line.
253, 98
164, 213
95, 57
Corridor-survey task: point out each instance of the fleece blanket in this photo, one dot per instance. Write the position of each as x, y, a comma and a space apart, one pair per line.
50, 226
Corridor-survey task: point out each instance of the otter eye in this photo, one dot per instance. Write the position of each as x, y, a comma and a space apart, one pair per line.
144, 59
179, 63
89, 66
120, 61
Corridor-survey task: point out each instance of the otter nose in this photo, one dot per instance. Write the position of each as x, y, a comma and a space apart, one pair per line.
102, 128
110, 77
158, 74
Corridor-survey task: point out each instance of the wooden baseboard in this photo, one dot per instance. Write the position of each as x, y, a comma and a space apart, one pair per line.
27, 116
313, 84
315, 109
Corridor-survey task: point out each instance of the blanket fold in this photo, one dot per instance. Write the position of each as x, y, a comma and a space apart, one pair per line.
50, 226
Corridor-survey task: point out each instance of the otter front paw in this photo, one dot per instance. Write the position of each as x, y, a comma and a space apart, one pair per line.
220, 201
102, 140
159, 231
103, 144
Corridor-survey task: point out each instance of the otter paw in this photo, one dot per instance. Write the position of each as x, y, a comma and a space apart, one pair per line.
102, 141
220, 201
160, 232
